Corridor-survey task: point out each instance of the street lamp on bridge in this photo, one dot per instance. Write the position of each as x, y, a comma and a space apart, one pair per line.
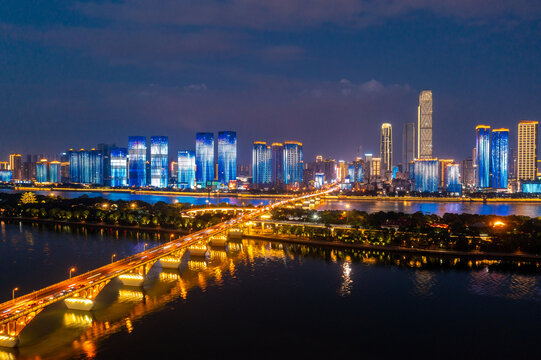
145, 246
113, 258
72, 270
13, 293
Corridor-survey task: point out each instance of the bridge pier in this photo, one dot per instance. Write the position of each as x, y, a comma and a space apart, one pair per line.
199, 250
84, 300
172, 261
218, 240
137, 276
9, 331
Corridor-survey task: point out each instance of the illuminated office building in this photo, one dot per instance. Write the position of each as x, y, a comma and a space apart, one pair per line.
73, 158
527, 150
137, 159
54, 171
375, 168
119, 167
386, 147
500, 158
319, 180
227, 157
159, 158
96, 167
293, 163
424, 125
204, 158
453, 183
278, 163
16, 166
186, 169
42, 171
261, 163
426, 175
482, 145
351, 173
408, 144
85, 167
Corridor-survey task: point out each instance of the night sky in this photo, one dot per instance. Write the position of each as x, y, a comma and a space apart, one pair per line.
325, 72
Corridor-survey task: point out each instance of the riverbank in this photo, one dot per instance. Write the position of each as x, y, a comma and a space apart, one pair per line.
398, 249
137, 228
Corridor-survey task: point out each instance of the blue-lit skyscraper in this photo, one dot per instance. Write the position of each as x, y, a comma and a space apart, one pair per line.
54, 172
277, 163
96, 167
42, 171
186, 169
261, 163
86, 166
426, 175
119, 167
159, 158
500, 158
73, 158
227, 156
204, 158
137, 157
293, 163
482, 144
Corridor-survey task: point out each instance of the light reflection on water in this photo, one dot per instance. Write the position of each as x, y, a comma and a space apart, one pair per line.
121, 309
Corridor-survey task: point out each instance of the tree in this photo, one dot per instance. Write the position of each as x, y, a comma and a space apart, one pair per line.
29, 198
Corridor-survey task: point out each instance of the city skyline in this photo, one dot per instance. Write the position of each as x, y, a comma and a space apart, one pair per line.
76, 68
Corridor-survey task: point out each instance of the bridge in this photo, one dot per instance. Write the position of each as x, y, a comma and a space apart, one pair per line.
79, 292
214, 210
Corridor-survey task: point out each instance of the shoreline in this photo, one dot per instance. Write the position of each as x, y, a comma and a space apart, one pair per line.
398, 249
256, 196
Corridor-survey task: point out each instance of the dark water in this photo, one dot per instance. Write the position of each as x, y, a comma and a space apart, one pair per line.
256, 299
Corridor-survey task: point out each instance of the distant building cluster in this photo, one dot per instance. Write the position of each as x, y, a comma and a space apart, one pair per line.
493, 167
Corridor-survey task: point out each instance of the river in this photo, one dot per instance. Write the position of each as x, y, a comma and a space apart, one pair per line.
256, 299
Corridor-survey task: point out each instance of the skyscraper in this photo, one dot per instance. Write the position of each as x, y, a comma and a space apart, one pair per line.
186, 169
119, 167
227, 157
15, 165
408, 145
527, 150
386, 147
105, 150
453, 179
482, 144
42, 171
73, 158
159, 158
137, 158
261, 163
292, 163
500, 158
204, 158
95, 167
278, 163
424, 125
426, 175
54, 172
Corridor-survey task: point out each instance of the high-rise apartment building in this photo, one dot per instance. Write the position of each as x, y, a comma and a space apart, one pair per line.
386, 147
261, 163
500, 158
278, 163
105, 150
204, 158
227, 157
408, 145
443, 171
468, 172
527, 150
16, 166
424, 125
482, 146
453, 183
159, 161
54, 171
118, 167
137, 159
42, 171
293, 163
186, 169
85, 166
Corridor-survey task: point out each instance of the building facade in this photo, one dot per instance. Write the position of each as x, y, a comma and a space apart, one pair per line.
482, 146
277, 163
186, 169
527, 150
386, 147
119, 167
408, 145
227, 157
500, 158
204, 158
159, 161
293, 163
424, 125
426, 175
16, 166
137, 159
261, 163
